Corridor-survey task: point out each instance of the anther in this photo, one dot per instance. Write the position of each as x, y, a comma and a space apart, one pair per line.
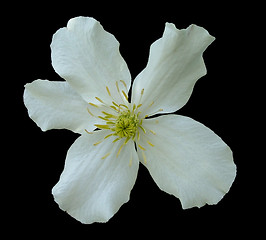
122, 81
95, 144
115, 104
120, 150
142, 129
109, 115
109, 122
154, 133
90, 112
117, 87
116, 140
150, 143
141, 94
100, 100
144, 157
159, 110
106, 155
113, 107
109, 135
108, 91
88, 131
103, 118
123, 105
130, 162
102, 126
94, 105
151, 103
128, 138
142, 148
125, 95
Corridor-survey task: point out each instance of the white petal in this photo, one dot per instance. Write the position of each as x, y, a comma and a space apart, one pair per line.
92, 189
187, 160
55, 105
175, 64
88, 57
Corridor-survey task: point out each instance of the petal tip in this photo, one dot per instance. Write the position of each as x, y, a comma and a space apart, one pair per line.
201, 31
77, 20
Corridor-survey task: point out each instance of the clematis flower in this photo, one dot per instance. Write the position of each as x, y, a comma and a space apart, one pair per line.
184, 157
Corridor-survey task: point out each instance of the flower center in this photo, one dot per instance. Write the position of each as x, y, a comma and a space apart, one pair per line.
126, 125
123, 120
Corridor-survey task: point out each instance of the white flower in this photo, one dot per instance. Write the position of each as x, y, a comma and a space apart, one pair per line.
184, 157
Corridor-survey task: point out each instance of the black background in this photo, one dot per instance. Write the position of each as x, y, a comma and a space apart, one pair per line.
218, 101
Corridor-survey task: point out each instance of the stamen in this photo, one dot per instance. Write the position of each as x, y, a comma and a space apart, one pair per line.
123, 105
131, 159
130, 162
125, 142
109, 135
125, 95
115, 104
128, 138
113, 107
88, 131
142, 129
94, 105
125, 123
102, 126
106, 155
141, 147
116, 140
109, 115
117, 87
108, 91
95, 144
122, 81
154, 133
109, 122
141, 94
100, 100
103, 118
150, 143
90, 112
151, 104
159, 110
145, 109
144, 157
120, 150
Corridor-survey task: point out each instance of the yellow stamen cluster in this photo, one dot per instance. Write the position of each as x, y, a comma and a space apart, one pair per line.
125, 124
123, 120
